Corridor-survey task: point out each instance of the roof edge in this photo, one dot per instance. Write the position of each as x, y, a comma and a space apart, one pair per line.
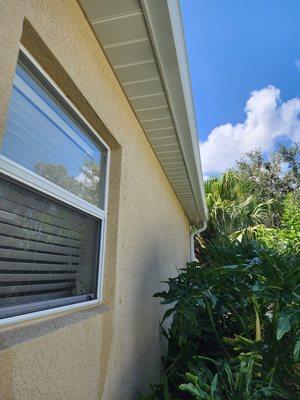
164, 22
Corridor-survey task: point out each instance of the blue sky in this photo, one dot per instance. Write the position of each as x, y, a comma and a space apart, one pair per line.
236, 47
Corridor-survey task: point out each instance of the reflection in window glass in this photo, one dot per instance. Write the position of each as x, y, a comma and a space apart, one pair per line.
42, 137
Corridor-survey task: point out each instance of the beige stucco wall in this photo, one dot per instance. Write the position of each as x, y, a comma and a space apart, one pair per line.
116, 351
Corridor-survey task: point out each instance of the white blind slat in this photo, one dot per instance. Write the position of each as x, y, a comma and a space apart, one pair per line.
35, 287
30, 277
13, 266
24, 233
37, 247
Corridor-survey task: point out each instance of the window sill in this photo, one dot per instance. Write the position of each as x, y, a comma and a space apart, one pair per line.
13, 335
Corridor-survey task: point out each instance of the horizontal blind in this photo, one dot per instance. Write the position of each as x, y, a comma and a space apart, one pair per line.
48, 251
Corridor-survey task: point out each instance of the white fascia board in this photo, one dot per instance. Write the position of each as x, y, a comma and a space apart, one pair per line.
164, 22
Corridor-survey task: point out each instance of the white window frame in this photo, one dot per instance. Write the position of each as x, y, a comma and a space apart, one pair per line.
21, 174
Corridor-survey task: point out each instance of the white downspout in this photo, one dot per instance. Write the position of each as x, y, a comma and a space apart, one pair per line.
192, 238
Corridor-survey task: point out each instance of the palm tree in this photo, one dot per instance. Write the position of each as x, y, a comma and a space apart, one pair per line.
234, 208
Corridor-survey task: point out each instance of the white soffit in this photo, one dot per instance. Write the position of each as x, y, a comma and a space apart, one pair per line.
144, 42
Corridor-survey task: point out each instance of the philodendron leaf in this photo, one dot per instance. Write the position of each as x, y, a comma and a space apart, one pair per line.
284, 325
192, 378
297, 351
168, 313
189, 387
296, 292
229, 375
213, 299
214, 384
285, 322
230, 266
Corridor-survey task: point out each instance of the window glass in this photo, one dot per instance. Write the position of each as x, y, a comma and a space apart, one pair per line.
41, 136
50, 241
48, 251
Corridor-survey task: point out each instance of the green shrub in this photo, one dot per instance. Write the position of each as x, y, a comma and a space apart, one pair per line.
235, 332
235, 315
286, 238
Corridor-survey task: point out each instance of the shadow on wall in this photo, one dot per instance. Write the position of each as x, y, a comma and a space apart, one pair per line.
138, 360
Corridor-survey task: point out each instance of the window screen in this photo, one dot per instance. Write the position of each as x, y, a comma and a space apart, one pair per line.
49, 248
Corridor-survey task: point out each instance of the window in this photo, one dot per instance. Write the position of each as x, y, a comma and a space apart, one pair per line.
53, 184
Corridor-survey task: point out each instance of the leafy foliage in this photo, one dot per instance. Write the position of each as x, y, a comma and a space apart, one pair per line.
234, 209
235, 313
287, 236
253, 194
273, 177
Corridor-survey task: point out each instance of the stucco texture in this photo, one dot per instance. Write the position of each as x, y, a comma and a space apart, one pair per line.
114, 353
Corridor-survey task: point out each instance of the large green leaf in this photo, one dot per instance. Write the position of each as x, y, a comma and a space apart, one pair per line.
285, 322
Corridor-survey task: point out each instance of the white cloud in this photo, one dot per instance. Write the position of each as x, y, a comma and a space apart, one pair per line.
297, 63
267, 119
